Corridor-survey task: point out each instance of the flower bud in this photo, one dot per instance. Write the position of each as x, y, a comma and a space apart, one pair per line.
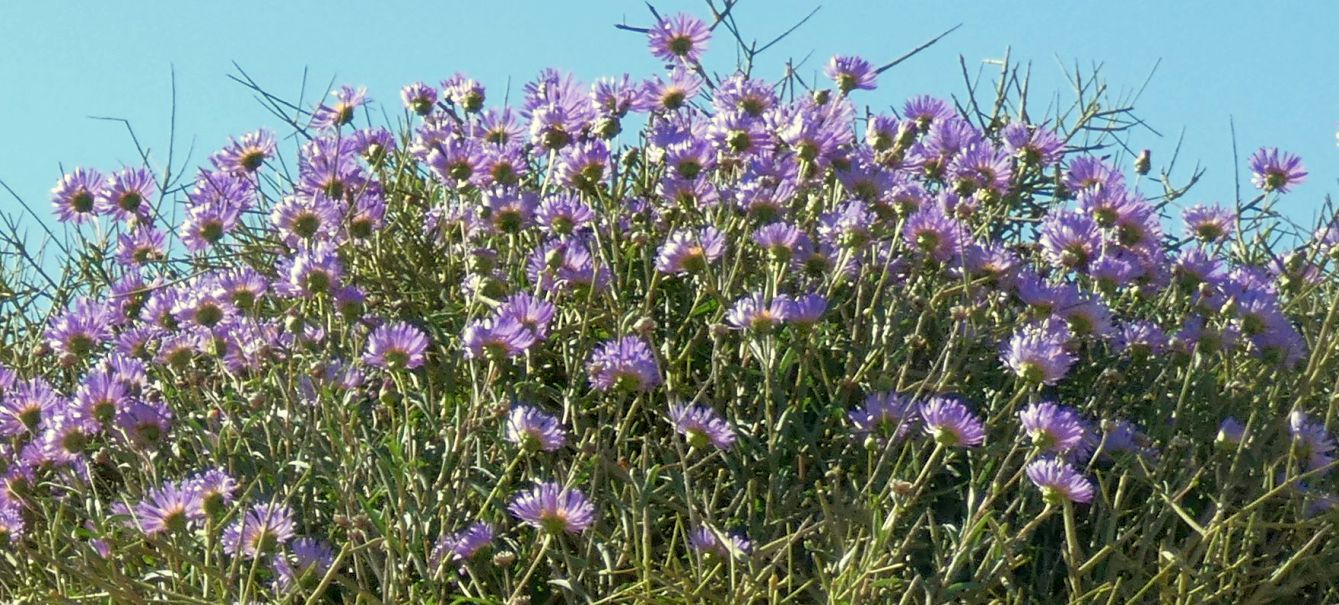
1143, 162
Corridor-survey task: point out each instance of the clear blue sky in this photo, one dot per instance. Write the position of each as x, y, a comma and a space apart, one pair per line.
1268, 67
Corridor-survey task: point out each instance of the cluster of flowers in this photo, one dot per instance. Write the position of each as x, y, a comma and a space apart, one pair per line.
556, 224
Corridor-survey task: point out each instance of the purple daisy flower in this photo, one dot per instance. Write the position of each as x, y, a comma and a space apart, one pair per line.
1037, 353
1274, 170
217, 490
673, 94
75, 196
207, 224
886, 416
690, 158
141, 246
950, 423
584, 165
808, 309
925, 110
1209, 223
64, 440
167, 508
980, 167
530, 311
457, 162
1059, 482
308, 561
564, 215
126, 194
1052, 427
263, 529
1112, 271
419, 98
144, 424
1087, 172
1205, 337
303, 219
1033, 144
847, 226
851, 73
100, 396
681, 37
312, 271
1086, 317
617, 96
11, 521
701, 426
755, 313
708, 542
533, 429
463, 545
1311, 441
26, 406
81, 329
690, 252
554, 508
501, 337
396, 346
1141, 338
625, 363
246, 154
752, 97
347, 100
1070, 239
932, 233
510, 211
464, 92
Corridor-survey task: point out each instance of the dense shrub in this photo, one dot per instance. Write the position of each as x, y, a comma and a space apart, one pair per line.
697, 338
